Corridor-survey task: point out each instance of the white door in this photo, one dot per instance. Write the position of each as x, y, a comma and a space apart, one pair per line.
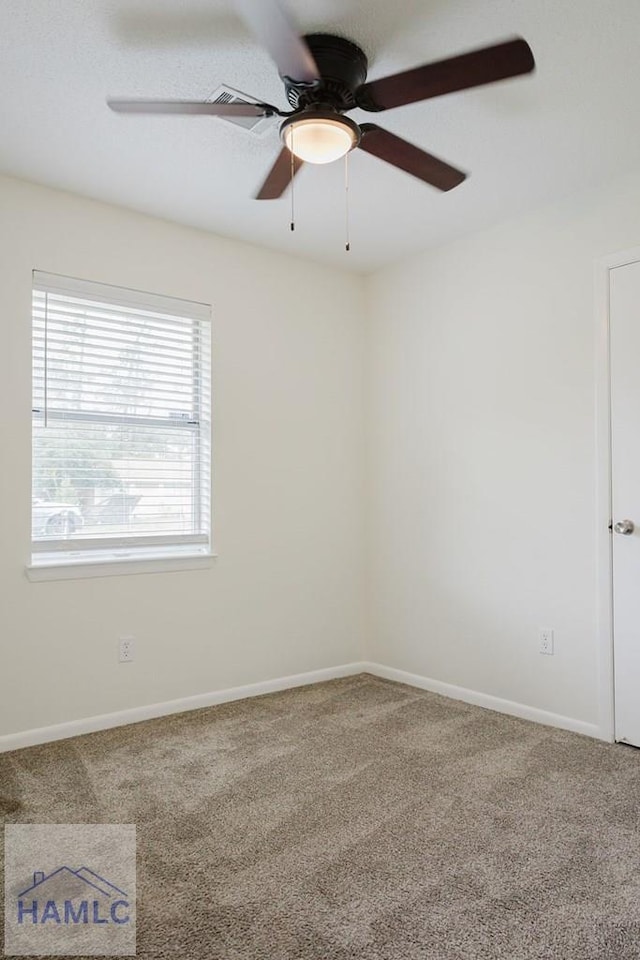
625, 451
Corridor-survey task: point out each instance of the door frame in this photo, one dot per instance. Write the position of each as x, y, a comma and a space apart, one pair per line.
604, 542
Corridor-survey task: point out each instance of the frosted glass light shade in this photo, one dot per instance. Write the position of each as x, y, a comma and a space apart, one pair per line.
319, 140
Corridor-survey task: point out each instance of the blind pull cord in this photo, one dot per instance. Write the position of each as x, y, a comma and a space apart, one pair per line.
46, 360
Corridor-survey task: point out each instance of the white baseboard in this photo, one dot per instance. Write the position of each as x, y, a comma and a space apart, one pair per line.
74, 728
511, 707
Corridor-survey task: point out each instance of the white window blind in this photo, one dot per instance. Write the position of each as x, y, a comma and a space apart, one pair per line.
121, 423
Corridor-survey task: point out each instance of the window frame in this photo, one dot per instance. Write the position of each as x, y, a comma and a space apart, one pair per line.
64, 557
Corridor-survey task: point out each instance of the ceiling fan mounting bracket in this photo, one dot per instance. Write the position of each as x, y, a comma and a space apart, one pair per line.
342, 66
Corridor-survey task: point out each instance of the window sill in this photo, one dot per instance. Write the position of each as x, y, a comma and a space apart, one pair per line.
117, 567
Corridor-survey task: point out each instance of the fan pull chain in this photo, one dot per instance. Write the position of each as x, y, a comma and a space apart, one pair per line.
293, 174
347, 245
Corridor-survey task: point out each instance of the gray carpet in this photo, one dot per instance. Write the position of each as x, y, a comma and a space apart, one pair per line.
358, 820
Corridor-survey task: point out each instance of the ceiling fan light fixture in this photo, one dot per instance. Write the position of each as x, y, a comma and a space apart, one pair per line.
320, 137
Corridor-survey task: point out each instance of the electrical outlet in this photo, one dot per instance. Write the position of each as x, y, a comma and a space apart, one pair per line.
546, 642
127, 649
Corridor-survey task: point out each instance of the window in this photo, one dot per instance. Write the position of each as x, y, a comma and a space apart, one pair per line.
121, 424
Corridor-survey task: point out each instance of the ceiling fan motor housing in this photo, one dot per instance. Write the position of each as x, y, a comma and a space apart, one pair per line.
342, 66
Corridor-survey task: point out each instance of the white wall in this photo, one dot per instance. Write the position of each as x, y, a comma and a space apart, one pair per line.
475, 380
286, 594
482, 455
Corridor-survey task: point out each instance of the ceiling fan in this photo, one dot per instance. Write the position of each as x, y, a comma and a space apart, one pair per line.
325, 77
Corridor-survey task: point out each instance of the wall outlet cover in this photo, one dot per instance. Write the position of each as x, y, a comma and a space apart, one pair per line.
126, 649
546, 642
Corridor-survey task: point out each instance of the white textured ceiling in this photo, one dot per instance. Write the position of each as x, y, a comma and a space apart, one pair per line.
571, 125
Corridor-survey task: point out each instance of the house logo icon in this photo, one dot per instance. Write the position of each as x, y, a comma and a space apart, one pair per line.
72, 897
69, 890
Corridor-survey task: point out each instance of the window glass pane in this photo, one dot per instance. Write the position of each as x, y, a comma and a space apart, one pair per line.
94, 480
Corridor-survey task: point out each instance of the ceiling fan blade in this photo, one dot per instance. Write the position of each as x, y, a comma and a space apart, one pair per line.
273, 28
193, 107
400, 153
498, 62
279, 177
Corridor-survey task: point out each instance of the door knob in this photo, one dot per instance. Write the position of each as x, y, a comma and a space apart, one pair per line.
625, 527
